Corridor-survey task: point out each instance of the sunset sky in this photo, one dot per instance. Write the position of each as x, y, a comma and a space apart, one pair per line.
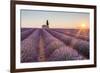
36, 18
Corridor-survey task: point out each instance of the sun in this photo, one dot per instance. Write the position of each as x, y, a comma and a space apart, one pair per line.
83, 26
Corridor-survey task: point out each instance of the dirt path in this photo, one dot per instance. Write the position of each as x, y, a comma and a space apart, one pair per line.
41, 50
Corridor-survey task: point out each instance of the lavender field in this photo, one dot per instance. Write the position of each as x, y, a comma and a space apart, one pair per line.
43, 45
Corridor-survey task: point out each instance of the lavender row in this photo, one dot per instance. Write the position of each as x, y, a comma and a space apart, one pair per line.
25, 29
26, 33
65, 53
51, 43
56, 50
73, 33
29, 47
64, 38
81, 46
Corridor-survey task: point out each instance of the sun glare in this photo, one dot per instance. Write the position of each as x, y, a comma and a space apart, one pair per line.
83, 26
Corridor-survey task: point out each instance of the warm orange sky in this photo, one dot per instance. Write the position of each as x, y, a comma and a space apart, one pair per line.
35, 19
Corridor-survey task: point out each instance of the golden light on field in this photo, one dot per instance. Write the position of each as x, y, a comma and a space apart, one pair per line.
82, 29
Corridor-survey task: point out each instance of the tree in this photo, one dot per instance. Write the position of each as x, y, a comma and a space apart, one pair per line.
47, 23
